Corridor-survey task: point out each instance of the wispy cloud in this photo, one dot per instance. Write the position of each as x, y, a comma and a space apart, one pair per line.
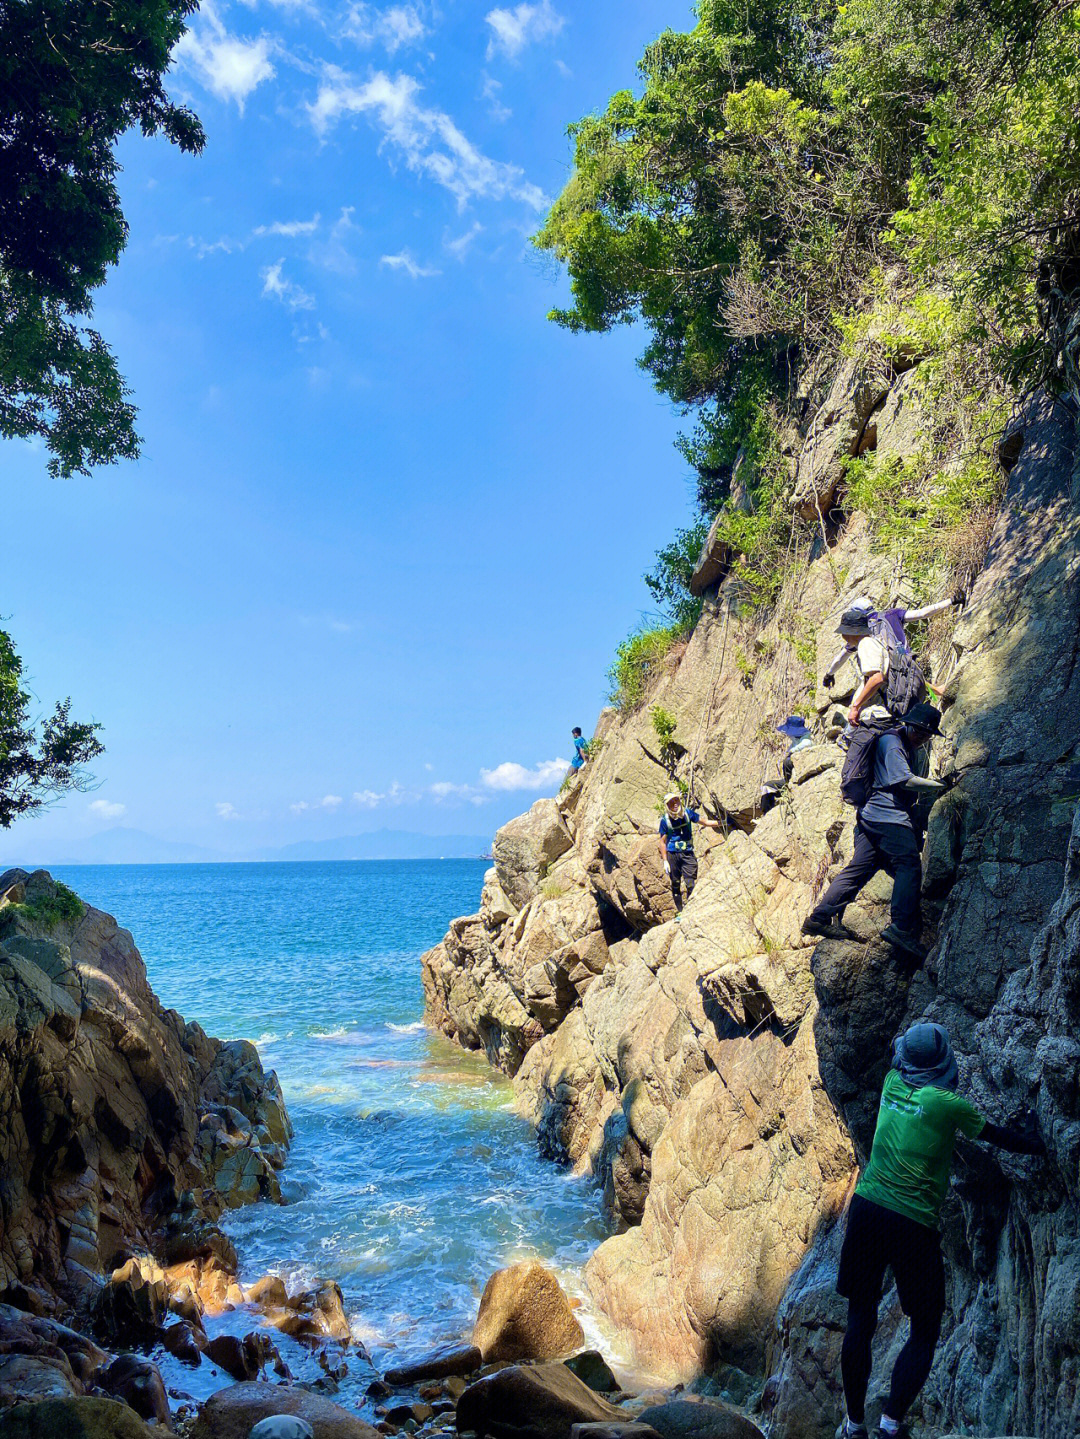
105, 809
225, 810
443, 790
490, 90
229, 66
392, 28
372, 799
412, 267
460, 245
277, 287
328, 801
512, 30
429, 141
290, 228
509, 776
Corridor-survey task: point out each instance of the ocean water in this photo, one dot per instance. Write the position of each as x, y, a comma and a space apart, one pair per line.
410, 1179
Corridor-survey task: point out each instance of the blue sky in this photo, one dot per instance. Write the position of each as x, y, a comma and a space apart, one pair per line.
390, 523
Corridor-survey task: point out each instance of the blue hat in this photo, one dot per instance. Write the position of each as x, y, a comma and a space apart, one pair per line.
794, 727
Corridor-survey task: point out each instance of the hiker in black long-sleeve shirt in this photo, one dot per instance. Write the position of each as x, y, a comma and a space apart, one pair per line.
889, 832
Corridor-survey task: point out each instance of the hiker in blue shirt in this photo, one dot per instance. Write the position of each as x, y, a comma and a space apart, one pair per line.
677, 845
581, 749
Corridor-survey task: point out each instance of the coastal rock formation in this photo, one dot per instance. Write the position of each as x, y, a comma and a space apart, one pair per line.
719, 1075
126, 1132
524, 1314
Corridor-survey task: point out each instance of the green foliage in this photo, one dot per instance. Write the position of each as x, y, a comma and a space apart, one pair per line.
664, 725
669, 579
38, 762
63, 907
74, 76
552, 889
637, 663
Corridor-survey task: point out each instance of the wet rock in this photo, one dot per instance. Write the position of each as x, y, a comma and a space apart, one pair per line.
133, 1302
700, 1419
82, 1418
231, 1413
524, 1314
592, 1369
442, 1363
540, 1402
282, 1426
617, 1429
179, 1340
269, 1292
137, 1382
241, 1358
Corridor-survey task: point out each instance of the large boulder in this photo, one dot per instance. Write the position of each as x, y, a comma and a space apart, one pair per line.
527, 847
540, 1402
700, 1419
524, 1314
231, 1413
83, 1418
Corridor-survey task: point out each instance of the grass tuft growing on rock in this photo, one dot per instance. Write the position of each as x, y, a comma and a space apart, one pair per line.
638, 662
49, 910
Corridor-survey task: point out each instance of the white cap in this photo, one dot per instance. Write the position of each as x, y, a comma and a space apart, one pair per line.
282, 1426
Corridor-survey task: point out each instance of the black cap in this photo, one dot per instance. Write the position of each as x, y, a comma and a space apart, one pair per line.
924, 716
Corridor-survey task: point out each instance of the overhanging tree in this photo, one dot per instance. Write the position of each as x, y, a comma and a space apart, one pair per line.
74, 76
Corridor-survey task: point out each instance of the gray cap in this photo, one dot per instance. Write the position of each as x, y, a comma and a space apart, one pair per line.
924, 1056
282, 1426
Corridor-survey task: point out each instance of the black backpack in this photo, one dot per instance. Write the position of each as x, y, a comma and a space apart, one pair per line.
905, 685
857, 775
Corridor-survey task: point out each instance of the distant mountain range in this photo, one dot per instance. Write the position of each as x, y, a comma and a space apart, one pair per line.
123, 845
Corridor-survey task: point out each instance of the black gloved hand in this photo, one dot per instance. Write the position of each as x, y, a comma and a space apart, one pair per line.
959, 598
829, 681
1028, 1125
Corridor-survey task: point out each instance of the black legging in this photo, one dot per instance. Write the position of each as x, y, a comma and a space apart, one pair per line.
909, 1373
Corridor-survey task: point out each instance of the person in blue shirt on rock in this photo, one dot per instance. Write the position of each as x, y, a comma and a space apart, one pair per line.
581, 749
889, 832
677, 845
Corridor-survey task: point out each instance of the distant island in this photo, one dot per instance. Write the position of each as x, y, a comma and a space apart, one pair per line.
124, 845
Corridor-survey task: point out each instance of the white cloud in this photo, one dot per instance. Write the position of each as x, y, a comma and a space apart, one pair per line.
277, 287
328, 801
564, 69
428, 139
394, 27
229, 66
412, 267
525, 24
490, 91
461, 244
509, 776
225, 810
372, 799
104, 809
290, 228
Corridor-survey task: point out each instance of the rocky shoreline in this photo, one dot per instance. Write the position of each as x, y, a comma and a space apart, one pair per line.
717, 1074
128, 1133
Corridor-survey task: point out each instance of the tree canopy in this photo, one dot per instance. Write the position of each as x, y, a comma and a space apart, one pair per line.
41, 760
785, 163
74, 76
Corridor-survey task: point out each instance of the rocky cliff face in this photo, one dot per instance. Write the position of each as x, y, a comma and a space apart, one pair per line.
719, 1075
123, 1130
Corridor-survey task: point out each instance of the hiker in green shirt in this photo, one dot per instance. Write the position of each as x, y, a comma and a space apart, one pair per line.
893, 1219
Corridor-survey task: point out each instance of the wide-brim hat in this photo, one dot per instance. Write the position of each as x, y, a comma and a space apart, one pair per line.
923, 1055
924, 716
673, 795
794, 727
853, 622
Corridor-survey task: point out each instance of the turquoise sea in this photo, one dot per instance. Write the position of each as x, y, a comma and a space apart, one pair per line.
410, 1178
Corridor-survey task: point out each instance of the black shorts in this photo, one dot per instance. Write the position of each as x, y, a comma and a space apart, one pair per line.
878, 1239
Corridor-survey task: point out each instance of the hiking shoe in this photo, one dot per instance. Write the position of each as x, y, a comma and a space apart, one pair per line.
905, 940
880, 1433
848, 1430
826, 928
